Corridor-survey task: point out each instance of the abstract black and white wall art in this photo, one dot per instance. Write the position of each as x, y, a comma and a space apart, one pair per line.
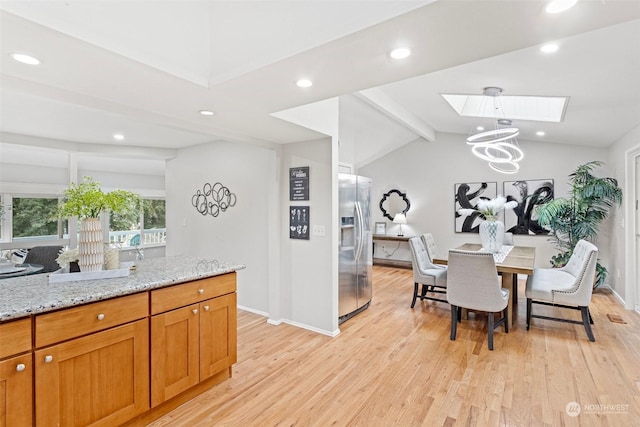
467, 196
522, 219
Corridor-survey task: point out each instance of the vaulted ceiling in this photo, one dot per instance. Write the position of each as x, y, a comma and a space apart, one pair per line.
145, 68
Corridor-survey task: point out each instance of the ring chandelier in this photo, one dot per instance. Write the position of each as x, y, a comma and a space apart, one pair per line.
499, 146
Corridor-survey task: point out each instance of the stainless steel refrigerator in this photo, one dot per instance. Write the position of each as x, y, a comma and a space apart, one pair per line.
356, 242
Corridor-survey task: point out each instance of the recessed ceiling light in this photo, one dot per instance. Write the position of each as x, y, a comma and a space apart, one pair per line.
400, 53
549, 48
24, 58
207, 112
304, 83
557, 6
480, 128
118, 136
540, 133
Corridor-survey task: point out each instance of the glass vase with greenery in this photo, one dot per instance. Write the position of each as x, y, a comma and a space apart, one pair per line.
579, 215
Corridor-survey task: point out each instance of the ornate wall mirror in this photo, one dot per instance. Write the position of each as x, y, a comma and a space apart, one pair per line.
394, 202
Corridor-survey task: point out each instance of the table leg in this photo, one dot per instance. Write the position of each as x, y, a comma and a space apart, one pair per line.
507, 283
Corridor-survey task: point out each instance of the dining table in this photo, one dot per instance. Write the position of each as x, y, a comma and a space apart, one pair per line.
20, 270
510, 261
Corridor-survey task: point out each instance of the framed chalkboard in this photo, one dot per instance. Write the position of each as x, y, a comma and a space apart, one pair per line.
299, 183
299, 222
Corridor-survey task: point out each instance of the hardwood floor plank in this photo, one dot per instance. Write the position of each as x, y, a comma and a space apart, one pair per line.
395, 366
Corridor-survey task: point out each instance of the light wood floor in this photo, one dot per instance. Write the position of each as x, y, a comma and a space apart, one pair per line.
394, 366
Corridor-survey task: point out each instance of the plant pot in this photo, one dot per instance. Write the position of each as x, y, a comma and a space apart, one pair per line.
492, 235
90, 245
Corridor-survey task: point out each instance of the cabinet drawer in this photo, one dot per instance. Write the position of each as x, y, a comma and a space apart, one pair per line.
192, 292
15, 337
74, 322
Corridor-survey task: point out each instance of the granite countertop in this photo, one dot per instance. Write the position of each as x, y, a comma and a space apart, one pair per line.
27, 295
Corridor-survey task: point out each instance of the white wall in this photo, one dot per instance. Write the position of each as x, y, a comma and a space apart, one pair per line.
428, 171
622, 238
240, 233
309, 270
288, 280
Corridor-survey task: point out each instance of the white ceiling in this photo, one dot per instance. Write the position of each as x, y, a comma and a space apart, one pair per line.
145, 68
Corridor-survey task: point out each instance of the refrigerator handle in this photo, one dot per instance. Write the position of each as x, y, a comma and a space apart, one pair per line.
360, 227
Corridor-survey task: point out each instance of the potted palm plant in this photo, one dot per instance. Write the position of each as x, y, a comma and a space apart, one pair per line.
579, 215
86, 201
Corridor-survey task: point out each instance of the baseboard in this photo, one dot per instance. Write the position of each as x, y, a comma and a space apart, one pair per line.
252, 310
311, 328
615, 294
289, 322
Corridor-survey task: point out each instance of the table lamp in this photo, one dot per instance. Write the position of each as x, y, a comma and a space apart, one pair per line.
400, 219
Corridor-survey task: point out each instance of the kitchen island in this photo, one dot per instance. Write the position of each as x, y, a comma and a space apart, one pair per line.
119, 350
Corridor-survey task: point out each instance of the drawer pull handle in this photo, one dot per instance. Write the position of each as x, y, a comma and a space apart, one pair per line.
100, 316
206, 308
201, 291
20, 367
195, 311
48, 358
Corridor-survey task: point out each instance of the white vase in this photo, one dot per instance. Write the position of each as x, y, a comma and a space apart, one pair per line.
90, 246
491, 234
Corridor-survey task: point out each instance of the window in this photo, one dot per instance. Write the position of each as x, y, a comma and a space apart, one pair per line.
154, 217
125, 230
34, 218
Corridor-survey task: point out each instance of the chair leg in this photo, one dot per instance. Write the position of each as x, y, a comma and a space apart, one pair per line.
425, 289
415, 294
491, 319
505, 314
590, 318
585, 321
528, 313
459, 314
454, 322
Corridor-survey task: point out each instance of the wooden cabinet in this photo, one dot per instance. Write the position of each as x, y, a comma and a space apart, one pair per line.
218, 326
16, 374
196, 338
115, 361
100, 378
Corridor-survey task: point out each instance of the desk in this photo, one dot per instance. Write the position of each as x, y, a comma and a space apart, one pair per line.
520, 260
28, 269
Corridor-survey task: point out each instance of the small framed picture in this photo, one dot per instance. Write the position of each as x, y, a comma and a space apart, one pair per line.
381, 228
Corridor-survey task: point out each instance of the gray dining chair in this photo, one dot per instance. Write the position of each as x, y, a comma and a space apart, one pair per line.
473, 283
568, 287
432, 278
45, 256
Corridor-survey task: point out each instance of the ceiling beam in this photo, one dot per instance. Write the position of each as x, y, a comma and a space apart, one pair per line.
383, 103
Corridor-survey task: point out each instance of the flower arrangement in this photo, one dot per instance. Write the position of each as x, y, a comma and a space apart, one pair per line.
67, 256
87, 200
489, 208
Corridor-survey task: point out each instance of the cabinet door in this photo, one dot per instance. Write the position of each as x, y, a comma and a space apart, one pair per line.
98, 380
15, 391
218, 332
174, 353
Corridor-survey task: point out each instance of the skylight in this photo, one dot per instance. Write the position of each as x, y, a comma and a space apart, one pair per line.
536, 108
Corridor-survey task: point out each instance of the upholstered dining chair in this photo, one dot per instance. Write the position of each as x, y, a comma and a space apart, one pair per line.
432, 248
473, 283
567, 287
432, 278
45, 256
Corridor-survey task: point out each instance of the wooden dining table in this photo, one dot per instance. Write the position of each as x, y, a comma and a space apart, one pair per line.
520, 260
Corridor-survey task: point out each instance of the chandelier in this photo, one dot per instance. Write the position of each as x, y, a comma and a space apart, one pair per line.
498, 146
